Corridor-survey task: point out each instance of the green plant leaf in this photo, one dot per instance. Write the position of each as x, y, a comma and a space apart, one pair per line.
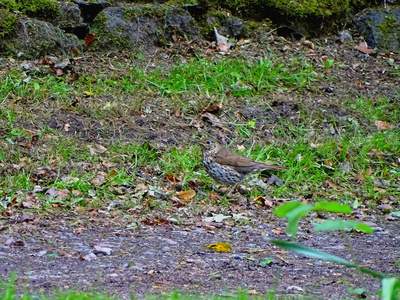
293, 211
388, 288
334, 207
329, 63
284, 209
322, 255
265, 261
251, 124
339, 224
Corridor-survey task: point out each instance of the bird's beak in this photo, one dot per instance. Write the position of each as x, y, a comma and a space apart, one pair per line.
201, 142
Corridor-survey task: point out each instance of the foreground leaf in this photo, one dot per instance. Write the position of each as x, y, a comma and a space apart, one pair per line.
322, 255
334, 225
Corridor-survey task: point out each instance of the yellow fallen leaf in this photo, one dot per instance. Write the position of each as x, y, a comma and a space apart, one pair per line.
185, 196
219, 247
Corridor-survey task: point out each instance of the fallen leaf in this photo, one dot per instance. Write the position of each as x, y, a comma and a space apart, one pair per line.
213, 108
97, 149
62, 194
307, 44
171, 178
218, 218
214, 196
99, 178
186, 196
380, 125
360, 177
363, 47
89, 39
219, 247
369, 171
278, 231
263, 201
376, 189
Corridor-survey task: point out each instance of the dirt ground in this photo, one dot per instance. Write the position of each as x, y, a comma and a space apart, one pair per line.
111, 252
50, 253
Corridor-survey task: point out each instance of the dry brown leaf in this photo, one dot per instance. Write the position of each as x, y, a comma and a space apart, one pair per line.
223, 47
97, 149
263, 201
99, 178
363, 47
308, 44
62, 194
186, 196
213, 120
214, 196
89, 39
381, 125
330, 184
171, 178
213, 108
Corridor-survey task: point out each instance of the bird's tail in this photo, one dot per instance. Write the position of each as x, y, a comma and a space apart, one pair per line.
275, 167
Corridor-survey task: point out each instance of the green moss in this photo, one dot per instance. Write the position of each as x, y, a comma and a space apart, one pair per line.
305, 8
389, 33
181, 2
152, 11
10, 4
45, 9
8, 22
389, 25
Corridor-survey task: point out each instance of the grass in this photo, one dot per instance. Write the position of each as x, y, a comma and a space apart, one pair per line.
340, 151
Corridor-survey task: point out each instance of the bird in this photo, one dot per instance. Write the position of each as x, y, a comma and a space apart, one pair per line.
227, 167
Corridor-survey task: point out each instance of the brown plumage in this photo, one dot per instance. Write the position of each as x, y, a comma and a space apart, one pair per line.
227, 167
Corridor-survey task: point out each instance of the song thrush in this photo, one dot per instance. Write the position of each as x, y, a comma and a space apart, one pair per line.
227, 167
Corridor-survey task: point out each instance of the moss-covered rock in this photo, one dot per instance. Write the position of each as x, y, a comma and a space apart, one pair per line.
144, 26
36, 38
381, 28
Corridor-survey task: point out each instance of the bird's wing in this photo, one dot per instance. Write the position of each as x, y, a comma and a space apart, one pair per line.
227, 157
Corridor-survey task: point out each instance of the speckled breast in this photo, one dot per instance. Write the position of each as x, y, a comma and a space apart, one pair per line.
223, 174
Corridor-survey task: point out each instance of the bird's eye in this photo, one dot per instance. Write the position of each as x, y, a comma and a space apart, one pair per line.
209, 142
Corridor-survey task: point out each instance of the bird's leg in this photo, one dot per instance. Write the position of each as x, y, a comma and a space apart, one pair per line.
232, 189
